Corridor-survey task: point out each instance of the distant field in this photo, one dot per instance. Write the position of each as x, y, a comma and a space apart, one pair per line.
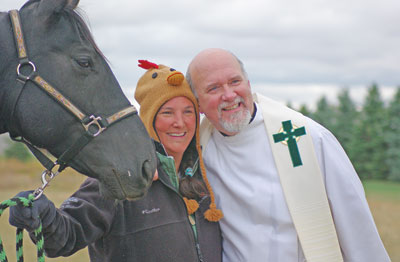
384, 201
383, 198
383, 189
18, 177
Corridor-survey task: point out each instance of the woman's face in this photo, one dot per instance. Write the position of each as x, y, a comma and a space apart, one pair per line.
176, 124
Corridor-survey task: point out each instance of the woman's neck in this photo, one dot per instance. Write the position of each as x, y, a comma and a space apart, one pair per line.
177, 160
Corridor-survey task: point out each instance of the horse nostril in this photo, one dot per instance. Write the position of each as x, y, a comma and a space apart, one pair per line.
146, 171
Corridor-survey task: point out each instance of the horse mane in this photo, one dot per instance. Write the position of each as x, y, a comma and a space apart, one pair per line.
76, 17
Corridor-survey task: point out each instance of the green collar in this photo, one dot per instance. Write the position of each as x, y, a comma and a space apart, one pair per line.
168, 165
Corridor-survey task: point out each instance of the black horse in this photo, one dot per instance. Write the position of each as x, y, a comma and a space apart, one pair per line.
64, 85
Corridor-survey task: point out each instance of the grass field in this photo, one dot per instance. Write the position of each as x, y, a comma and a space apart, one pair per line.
384, 201
383, 198
18, 177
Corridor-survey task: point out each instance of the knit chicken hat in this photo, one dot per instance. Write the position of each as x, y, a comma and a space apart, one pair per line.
158, 85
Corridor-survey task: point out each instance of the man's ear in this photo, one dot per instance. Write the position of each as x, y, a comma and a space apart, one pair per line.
48, 8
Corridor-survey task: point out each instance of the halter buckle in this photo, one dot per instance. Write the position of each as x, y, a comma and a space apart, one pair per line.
94, 124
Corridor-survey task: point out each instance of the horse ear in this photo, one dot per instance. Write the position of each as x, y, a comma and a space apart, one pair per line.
50, 7
73, 4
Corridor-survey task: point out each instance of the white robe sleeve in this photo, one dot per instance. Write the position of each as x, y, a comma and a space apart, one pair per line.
358, 236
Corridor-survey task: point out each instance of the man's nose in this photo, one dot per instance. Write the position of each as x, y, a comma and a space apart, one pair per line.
229, 93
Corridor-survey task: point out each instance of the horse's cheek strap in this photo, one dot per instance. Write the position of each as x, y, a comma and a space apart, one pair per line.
76, 147
43, 159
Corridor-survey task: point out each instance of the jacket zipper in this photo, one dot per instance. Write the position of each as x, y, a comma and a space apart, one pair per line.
199, 255
191, 222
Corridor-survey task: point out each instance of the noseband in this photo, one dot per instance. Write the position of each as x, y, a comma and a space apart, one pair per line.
93, 125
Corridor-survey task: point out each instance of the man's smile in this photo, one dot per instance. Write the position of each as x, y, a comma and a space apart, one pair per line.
228, 108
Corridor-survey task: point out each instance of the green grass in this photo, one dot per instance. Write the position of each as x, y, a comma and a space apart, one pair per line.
384, 189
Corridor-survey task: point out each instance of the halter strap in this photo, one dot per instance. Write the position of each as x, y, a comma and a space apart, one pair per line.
39, 81
19, 36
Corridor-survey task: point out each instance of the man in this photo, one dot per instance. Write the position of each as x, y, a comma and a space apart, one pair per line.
286, 187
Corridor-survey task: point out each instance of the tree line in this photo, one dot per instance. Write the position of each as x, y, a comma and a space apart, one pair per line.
370, 135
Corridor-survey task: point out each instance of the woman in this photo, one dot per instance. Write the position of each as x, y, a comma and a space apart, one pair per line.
175, 221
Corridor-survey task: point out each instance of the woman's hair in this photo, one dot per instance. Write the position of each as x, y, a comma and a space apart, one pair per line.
191, 186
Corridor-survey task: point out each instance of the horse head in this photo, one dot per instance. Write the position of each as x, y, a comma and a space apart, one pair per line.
62, 52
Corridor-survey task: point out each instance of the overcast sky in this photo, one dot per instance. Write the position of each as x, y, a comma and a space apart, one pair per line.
293, 50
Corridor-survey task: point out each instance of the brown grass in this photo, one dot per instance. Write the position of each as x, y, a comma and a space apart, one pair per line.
386, 213
16, 177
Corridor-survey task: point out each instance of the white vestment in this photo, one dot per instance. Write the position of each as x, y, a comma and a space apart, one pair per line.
257, 225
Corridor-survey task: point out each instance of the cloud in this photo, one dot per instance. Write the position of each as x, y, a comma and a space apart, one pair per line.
286, 43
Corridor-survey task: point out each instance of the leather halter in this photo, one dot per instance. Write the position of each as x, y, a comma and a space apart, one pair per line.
93, 125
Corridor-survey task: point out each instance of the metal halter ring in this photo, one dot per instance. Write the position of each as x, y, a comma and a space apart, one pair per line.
94, 122
24, 77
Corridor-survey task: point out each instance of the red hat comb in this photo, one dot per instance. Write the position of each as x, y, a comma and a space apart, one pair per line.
146, 64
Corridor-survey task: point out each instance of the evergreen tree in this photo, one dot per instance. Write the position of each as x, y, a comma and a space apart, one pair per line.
304, 110
346, 119
392, 138
324, 114
368, 146
18, 151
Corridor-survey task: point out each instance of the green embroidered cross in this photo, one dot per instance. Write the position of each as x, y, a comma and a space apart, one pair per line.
289, 136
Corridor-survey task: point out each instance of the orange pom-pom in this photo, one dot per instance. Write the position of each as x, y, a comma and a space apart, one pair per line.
191, 205
213, 214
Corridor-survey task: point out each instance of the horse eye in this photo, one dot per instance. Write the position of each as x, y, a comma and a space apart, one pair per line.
83, 62
154, 75
172, 70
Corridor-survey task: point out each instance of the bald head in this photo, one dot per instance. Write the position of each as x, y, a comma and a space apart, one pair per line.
208, 58
220, 83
